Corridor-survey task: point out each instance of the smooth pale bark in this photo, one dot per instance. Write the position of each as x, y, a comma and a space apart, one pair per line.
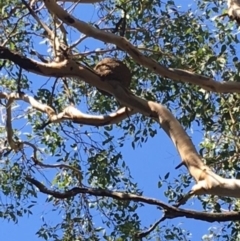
234, 10
206, 181
69, 113
186, 76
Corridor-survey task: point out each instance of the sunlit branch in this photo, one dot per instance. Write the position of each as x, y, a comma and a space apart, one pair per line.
51, 35
207, 181
66, 68
40, 22
69, 113
206, 83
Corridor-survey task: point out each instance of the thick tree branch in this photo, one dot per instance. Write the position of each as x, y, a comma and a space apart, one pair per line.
66, 68
207, 181
69, 68
170, 211
174, 74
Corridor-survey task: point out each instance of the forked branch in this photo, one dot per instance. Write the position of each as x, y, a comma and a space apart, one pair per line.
170, 211
207, 181
204, 82
69, 113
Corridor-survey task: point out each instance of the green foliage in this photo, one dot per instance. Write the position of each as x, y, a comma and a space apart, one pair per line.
189, 38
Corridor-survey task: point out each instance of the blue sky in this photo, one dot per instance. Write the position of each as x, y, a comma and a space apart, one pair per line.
145, 165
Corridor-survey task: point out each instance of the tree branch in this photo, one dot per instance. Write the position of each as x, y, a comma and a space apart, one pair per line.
170, 211
144, 233
66, 68
206, 83
15, 145
69, 113
207, 181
